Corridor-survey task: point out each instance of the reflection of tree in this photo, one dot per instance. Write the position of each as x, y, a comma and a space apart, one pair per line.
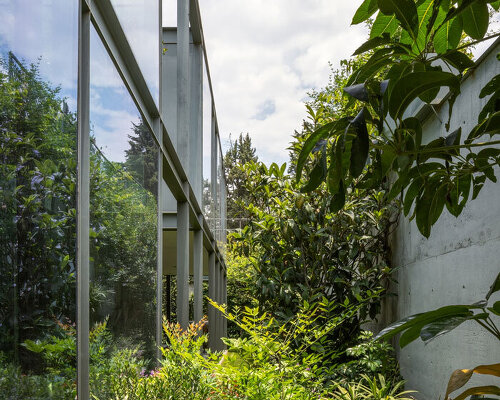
37, 222
37, 208
142, 157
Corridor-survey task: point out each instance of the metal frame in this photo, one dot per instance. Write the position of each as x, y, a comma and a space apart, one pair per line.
83, 201
105, 21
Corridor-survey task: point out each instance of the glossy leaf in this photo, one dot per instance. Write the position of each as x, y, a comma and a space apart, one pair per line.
479, 390
382, 24
338, 200
441, 326
476, 19
358, 91
317, 175
495, 287
412, 193
410, 86
448, 36
320, 133
360, 145
423, 318
365, 11
405, 11
373, 43
458, 60
492, 86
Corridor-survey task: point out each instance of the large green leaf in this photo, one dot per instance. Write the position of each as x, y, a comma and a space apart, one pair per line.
423, 319
412, 193
320, 133
412, 85
405, 11
373, 43
448, 36
441, 326
489, 126
384, 23
423, 207
365, 11
360, 144
338, 200
476, 19
495, 287
458, 60
317, 175
492, 86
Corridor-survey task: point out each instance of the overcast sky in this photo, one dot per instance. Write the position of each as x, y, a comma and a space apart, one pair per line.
265, 56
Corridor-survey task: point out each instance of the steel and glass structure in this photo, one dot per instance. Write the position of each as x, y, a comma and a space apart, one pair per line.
117, 193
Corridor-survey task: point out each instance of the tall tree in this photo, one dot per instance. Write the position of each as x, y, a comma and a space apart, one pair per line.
239, 153
142, 158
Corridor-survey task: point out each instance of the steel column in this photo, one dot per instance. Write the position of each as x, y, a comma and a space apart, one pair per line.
83, 203
198, 274
183, 82
159, 253
212, 328
183, 264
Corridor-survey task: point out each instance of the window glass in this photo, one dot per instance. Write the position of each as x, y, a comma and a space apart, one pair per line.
123, 223
38, 131
140, 22
208, 204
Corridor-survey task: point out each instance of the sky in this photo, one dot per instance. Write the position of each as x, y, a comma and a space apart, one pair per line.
265, 56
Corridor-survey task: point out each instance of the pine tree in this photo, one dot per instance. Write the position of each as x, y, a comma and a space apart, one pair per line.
239, 153
142, 158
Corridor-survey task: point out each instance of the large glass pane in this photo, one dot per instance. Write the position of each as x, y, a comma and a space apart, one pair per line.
38, 80
141, 24
207, 150
218, 223
123, 222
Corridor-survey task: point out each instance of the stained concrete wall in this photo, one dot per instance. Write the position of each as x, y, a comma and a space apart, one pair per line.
456, 265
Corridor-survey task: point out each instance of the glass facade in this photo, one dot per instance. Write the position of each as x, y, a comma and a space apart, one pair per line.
54, 280
123, 222
207, 146
37, 198
140, 21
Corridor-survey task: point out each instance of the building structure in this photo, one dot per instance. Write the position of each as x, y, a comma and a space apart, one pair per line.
457, 264
119, 185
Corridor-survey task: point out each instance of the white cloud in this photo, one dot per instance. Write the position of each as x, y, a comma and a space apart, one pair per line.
261, 51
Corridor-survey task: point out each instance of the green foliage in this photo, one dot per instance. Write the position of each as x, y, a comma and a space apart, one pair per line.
241, 287
369, 358
302, 252
239, 153
411, 48
37, 210
376, 388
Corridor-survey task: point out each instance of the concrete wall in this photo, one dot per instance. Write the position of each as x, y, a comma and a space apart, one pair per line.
456, 265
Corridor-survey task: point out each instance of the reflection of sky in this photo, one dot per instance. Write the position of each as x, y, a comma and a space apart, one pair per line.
112, 111
207, 126
140, 22
44, 33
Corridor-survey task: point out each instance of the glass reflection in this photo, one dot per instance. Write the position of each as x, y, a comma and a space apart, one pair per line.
37, 199
140, 22
123, 222
207, 200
